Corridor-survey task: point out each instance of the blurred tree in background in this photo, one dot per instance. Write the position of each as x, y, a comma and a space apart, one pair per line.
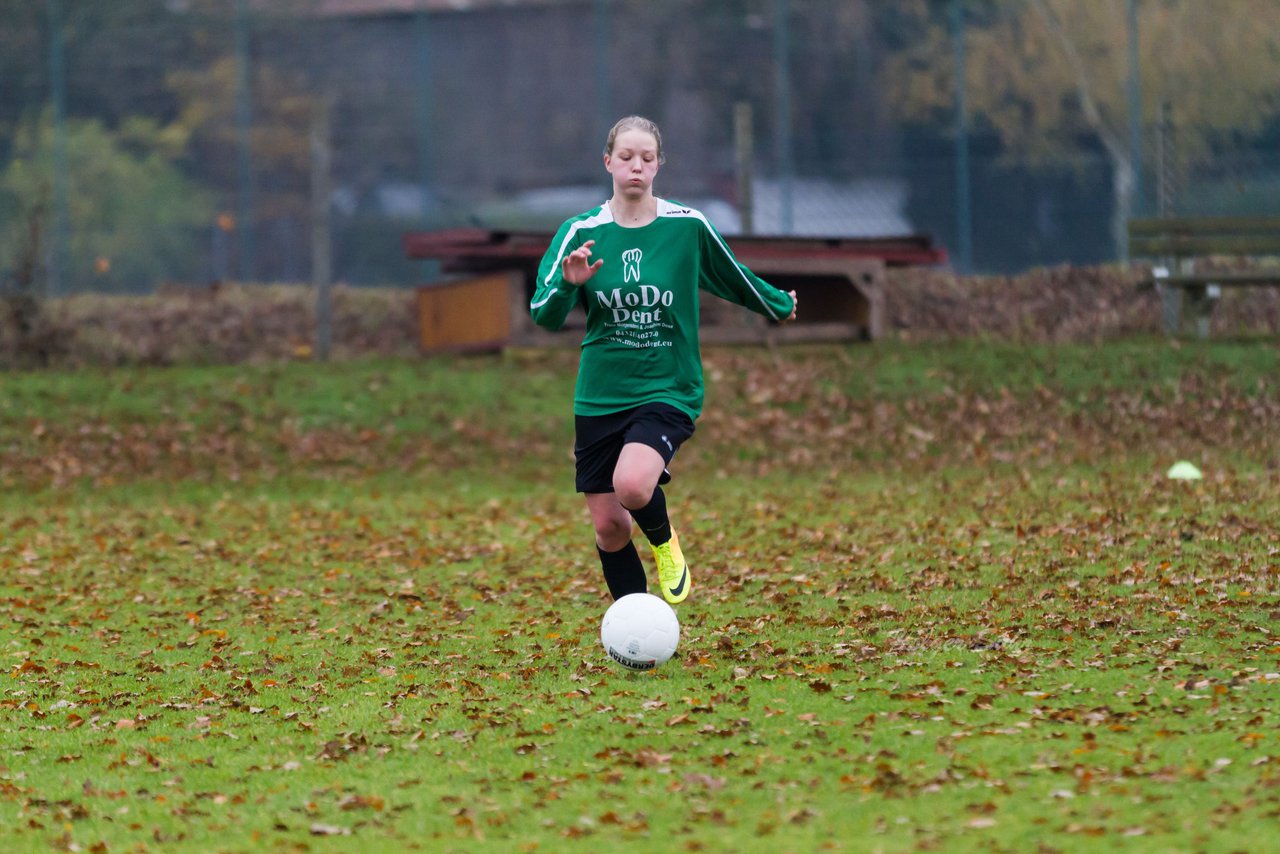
135, 218
278, 137
1045, 75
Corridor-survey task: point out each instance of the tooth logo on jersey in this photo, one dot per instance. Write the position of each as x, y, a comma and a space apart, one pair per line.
631, 265
640, 311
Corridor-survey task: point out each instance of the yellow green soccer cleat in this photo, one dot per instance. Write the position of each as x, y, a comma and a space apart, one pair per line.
673, 572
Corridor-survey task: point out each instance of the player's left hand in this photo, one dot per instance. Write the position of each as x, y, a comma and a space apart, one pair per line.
794, 303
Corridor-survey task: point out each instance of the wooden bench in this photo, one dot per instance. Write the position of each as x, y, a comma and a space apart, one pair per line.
1199, 256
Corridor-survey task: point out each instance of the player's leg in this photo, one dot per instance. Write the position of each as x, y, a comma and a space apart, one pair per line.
635, 483
651, 438
598, 442
623, 570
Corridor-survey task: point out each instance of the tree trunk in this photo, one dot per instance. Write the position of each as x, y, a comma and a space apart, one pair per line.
1123, 176
1122, 187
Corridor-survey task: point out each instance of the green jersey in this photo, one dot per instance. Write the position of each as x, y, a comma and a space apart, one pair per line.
641, 341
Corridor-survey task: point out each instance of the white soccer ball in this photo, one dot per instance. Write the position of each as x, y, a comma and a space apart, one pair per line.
640, 631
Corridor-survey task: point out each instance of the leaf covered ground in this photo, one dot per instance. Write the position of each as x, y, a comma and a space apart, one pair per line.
226, 323
945, 598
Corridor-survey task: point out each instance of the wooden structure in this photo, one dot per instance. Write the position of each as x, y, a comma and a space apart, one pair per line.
840, 284
1193, 252
469, 315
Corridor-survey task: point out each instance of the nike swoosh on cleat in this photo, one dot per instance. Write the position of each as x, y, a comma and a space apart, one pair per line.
679, 588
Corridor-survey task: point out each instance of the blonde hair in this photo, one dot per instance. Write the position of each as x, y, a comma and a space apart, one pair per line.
639, 123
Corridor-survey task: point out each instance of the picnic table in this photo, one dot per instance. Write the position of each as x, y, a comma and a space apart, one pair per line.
1199, 256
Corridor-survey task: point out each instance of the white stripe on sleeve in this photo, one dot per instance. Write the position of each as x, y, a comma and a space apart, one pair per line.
668, 209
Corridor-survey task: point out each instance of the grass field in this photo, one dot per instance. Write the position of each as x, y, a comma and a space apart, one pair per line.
944, 599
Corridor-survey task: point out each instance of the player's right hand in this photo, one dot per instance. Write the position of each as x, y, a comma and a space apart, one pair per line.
577, 266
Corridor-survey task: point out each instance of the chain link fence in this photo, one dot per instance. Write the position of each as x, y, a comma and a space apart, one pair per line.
146, 142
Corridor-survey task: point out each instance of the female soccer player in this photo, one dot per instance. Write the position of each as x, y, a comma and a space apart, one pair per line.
639, 387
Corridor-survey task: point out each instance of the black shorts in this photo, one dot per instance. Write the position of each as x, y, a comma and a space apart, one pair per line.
599, 439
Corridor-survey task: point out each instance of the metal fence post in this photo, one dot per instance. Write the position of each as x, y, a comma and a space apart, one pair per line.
1166, 163
786, 157
744, 156
322, 221
422, 100
604, 71
244, 129
964, 214
59, 279
1134, 97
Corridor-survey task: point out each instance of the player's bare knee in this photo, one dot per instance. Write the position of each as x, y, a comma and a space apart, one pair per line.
613, 534
633, 489
633, 493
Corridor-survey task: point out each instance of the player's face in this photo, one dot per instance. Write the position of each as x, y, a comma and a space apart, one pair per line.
633, 163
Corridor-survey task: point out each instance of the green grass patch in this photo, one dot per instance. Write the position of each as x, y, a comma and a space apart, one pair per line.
918, 622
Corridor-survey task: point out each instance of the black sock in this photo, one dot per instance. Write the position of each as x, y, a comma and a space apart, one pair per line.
623, 571
652, 518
